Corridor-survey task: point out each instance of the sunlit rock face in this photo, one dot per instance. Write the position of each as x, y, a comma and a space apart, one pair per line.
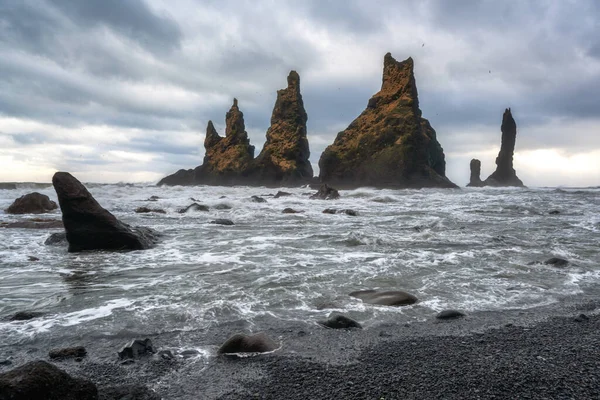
389, 144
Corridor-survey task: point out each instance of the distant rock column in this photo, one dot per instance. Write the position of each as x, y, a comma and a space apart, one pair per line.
505, 174
475, 180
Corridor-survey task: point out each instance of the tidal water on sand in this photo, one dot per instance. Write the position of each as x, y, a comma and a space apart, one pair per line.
469, 249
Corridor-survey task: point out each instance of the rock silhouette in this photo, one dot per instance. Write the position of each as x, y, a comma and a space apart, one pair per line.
88, 226
32, 203
389, 144
505, 174
475, 180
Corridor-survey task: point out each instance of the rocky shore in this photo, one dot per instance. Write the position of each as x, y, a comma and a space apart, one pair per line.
542, 353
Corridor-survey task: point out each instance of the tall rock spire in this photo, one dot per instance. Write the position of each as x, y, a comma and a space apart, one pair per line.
505, 174
284, 157
389, 144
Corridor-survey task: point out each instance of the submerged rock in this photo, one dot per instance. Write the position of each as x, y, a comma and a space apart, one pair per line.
281, 194
257, 199
32, 203
385, 298
56, 239
194, 207
450, 314
67, 352
88, 226
137, 348
475, 180
326, 192
222, 221
241, 343
505, 174
41, 380
290, 211
389, 144
340, 322
144, 210
556, 261
25, 315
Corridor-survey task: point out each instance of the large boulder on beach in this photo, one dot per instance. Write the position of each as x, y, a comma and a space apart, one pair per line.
340, 321
385, 298
389, 144
505, 174
137, 348
284, 158
88, 226
41, 380
32, 203
241, 343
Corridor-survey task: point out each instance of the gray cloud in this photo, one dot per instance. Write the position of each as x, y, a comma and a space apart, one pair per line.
136, 66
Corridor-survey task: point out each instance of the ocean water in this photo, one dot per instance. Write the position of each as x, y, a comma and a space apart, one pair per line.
468, 249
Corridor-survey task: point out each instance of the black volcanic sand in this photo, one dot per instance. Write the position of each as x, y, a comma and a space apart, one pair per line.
541, 353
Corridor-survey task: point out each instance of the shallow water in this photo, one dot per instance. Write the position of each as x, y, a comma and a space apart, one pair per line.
468, 249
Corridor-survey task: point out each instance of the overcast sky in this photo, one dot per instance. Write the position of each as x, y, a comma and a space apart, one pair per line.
122, 90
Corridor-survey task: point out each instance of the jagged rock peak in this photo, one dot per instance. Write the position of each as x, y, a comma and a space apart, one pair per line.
389, 144
284, 157
212, 137
505, 174
234, 123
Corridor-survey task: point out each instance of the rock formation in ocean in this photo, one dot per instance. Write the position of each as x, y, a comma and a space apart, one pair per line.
284, 157
32, 203
505, 174
230, 160
88, 226
475, 180
389, 144
227, 159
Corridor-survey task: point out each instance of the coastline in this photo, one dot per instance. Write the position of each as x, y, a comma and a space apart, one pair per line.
534, 353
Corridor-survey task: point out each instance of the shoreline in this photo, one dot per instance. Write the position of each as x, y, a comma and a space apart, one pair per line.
483, 355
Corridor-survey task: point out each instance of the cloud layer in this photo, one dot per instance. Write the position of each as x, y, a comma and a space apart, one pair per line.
122, 91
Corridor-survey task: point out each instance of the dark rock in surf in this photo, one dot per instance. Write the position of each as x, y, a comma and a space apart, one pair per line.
42, 380
222, 221
89, 226
556, 261
145, 210
183, 177
505, 174
281, 194
58, 238
222, 207
581, 318
32, 203
289, 211
153, 198
194, 207
67, 352
329, 211
326, 192
25, 315
137, 348
257, 199
450, 314
32, 258
127, 392
241, 343
340, 322
350, 212
475, 180
554, 212
385, 298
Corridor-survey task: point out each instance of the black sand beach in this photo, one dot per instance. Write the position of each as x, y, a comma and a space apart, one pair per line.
542, 353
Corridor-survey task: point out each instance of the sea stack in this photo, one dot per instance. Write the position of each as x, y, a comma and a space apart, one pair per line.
505, 174
389, 144
227, 159
284, 157
88, 226
475, 180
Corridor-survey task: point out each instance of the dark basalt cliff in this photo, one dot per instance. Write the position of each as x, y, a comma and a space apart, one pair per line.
389, 144
284, 157
505, 174
230, 160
